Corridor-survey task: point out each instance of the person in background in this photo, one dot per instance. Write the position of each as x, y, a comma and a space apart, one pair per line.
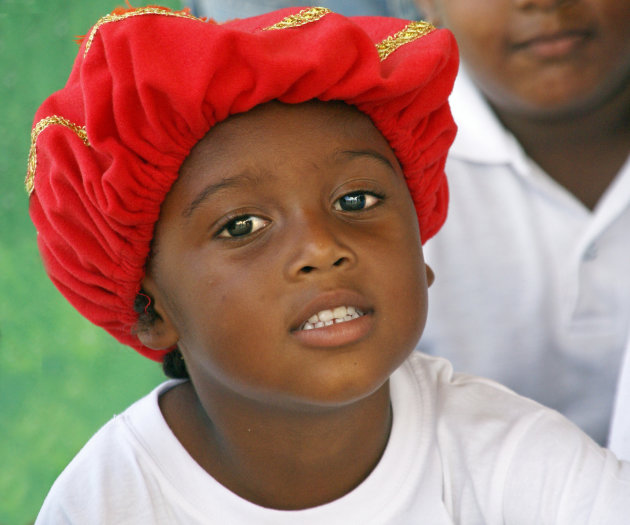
220, 10
540, 202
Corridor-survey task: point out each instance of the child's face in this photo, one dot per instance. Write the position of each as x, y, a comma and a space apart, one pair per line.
280, 214
541, 56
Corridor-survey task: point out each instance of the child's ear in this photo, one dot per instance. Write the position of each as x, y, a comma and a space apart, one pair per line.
160, 334
429, 11
430, 275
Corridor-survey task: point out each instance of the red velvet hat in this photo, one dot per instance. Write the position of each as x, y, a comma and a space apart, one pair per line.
149, 83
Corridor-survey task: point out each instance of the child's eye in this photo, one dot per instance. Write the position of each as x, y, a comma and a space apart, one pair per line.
243, 225
356, 201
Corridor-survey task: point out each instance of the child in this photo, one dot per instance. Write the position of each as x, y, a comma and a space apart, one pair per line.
261, 200
534, 287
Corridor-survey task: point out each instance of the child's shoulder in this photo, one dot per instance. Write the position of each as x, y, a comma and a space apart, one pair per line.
462, 402
504, 453
449, 383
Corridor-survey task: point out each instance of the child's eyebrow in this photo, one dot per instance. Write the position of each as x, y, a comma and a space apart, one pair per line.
253, 179
210, 189
353, 154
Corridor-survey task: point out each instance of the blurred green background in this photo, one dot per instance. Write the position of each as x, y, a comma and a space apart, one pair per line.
61, 378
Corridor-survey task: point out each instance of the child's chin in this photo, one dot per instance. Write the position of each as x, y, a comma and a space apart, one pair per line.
344, 392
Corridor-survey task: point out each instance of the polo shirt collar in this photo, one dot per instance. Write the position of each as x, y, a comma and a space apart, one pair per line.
481, 138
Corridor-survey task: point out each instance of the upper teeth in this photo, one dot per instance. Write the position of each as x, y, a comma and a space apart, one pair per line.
340, 314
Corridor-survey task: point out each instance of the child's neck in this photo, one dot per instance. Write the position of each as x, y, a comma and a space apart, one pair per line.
279, 458
581, 152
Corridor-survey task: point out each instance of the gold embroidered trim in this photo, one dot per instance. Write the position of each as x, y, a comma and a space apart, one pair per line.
136, 12
410, 33
80, 131
304, 17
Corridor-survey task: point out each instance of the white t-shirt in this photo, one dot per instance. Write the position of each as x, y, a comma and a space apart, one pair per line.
532, 289
462, 450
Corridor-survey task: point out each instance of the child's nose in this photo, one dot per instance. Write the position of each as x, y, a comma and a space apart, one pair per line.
318, 246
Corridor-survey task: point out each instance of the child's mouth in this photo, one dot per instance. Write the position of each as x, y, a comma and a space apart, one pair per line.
556, 45
340, 314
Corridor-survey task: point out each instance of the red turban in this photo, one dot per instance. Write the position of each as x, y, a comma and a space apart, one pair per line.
149, 83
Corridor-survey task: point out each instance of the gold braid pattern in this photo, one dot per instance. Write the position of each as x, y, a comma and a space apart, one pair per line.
136, 12
305, 16
32, 154
411, 32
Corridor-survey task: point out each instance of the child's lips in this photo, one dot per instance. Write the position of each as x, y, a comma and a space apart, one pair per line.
336, 334
333, 318
554, 45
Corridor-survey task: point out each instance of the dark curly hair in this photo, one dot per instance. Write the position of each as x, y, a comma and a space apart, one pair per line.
173, 365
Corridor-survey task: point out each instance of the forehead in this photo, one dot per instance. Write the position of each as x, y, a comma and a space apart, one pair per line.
302, 128
276, 135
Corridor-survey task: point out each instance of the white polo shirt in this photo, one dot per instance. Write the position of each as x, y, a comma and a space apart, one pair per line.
619, 441
532, 288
